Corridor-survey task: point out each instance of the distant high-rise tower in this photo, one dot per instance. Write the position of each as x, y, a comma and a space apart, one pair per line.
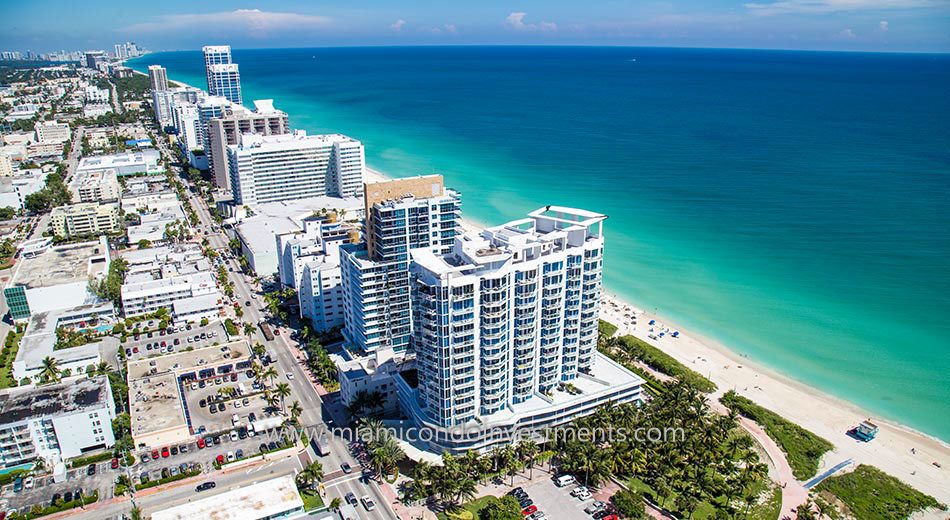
225, 81
215, 55
161, 104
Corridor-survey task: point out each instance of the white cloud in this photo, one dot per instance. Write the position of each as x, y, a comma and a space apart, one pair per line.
516, 21
884, 25
847, 33
253, 22
834, 6
397, 25
451, 28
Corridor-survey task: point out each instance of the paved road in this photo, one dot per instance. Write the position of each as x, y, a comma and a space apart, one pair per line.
282, 351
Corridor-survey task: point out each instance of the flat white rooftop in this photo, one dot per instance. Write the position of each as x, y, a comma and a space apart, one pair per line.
262, 500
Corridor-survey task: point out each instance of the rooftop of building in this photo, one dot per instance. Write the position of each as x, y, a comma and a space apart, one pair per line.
63, 264
70, 396
39, 339
119, 160
82, 208
154, 394
267, 499
297, 139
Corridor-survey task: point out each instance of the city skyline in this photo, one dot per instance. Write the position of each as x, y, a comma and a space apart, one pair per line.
844, 25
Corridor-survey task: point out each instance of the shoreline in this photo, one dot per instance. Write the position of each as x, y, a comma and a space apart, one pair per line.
815, 410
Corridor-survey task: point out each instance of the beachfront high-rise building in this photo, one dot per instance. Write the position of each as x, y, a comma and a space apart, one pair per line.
215, 55
505, 331
227, 129
401, 214
294, 166
158, 77
225, 81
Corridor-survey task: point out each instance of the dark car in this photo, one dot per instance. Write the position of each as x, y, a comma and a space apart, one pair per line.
252, 417
221, 407
144, 477
213, 409
18, 484
91, 469
68, 496
202, 403
247, 303
177, 341
262, 447
242, 432
525, 503
56, 497
174, 450
233, 377
272, 445
350, 498
204, 486
183, 467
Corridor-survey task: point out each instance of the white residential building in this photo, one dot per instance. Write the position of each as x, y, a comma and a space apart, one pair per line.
56, 422
178, 278
14, 189
401, 214
52, 132
93, 95
294, 166
95, 186
215, 55
84, 218
143, 162
505, 331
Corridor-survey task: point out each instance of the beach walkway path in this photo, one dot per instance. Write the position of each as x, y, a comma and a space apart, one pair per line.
838, 467
794, 493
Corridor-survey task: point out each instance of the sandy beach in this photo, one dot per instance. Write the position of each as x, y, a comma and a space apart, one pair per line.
820, 413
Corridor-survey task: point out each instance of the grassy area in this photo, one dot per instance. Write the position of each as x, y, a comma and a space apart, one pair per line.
472, 507
311, 500
80, 462
768, 509
803, 448
10, 347
606, 328
663, 362
166, 480
871, 494
654, 385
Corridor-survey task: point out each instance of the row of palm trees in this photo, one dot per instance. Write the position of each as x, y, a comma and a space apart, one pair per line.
382, 451
275, 395
700, 457
52, 373
456, 480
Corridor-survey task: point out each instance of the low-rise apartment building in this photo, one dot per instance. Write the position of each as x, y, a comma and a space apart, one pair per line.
56, 422
95, 186
52, 132
86, 218
178, 278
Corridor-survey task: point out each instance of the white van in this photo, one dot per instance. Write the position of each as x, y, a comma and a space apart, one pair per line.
565, 480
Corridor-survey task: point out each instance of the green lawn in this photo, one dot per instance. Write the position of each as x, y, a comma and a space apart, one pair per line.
311, 500
606, 328
802, 448
473, 507
871, 494
767, 510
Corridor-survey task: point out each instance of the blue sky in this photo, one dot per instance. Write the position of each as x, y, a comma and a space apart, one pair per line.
866, 25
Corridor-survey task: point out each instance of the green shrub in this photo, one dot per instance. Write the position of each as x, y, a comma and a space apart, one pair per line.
871, 494
803, 448
663, 362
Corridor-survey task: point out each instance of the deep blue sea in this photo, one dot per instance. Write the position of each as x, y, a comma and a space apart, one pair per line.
794, 206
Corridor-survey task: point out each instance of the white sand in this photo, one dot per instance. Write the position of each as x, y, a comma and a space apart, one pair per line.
820, 413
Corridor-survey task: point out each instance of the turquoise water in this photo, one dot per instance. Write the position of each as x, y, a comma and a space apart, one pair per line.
793, 206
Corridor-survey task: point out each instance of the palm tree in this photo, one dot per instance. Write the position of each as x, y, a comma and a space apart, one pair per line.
50, 371
282, 390
528, 453
466, 489
135, 513
249, 330
310, 475
336, 503
103, 368
270, 373
295, 411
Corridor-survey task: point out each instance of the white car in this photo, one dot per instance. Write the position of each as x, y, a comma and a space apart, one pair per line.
28, 483
584, 495
231, 457
234, 435
368, 502
194, 386
578, 490
290, 376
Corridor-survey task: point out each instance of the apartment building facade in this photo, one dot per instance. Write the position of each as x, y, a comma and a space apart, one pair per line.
401, 214
85, 218
293, 166
227, 130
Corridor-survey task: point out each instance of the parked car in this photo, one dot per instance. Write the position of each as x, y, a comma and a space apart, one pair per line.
114, 464
529, 510
28, 483
91, 469
68, 496
272, 445
239, 454
564, 480
174, 450
201, 444
220, 459
231, 457
17, 484
165, 452
234, 435
183, 448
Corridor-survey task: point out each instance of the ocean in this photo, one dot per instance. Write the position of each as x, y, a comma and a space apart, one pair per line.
790, 205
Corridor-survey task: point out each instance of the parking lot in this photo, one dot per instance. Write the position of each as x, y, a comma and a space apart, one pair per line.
173, 339
77, 479
556, 502
213, 402
172, 460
